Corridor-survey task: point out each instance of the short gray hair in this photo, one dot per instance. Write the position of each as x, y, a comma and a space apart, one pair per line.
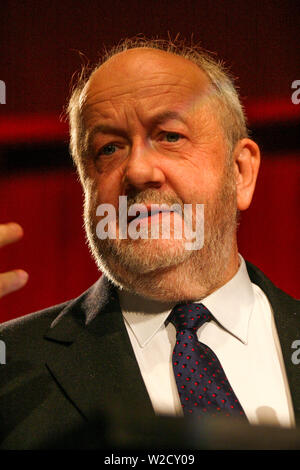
231, 112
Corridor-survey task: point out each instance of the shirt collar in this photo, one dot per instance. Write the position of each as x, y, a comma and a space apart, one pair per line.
143, 316
231, 305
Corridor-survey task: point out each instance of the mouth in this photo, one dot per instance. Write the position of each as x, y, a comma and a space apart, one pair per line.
147, 212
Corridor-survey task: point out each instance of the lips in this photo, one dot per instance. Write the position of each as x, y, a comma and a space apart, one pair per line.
147, 213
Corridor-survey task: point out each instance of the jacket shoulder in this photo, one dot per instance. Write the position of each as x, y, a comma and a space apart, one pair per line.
273, 292
39, 317
23, 336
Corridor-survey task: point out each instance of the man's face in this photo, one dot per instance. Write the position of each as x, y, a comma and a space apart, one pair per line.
153, 134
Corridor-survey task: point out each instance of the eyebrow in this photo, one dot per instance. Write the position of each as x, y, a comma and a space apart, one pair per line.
166, 116
154, 121
103, 129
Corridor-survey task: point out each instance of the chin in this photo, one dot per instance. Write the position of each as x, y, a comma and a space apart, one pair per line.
147, 256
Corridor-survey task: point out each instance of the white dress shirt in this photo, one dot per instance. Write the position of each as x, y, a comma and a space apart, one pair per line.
243, 337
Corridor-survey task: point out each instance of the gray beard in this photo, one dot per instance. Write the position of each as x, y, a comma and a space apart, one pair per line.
146, 269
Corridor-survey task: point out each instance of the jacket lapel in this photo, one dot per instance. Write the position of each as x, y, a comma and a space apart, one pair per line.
95, 365
286, 314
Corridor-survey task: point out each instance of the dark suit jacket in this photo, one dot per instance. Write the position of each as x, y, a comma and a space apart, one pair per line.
73, 364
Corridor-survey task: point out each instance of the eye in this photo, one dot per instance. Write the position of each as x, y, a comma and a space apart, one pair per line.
108, 149
172, 136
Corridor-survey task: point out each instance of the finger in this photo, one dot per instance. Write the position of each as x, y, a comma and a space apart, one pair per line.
12, 281
10, 233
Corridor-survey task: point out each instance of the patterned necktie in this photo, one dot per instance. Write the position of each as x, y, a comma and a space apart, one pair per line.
201, 381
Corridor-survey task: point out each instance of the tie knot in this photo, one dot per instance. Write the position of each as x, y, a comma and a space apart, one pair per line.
189, 316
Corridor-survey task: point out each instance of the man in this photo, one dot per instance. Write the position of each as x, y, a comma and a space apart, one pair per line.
159, 125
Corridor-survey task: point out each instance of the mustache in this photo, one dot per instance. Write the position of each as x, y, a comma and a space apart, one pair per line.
152, 196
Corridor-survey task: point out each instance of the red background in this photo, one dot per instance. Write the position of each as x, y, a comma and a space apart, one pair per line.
39, 44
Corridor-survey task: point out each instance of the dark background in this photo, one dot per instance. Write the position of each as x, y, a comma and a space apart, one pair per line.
40, 43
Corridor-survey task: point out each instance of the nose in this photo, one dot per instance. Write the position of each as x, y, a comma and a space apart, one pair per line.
142, 170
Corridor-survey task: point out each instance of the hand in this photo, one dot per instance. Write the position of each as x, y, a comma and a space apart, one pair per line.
12, 280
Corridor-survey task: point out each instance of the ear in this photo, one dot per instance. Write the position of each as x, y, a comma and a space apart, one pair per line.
246, 164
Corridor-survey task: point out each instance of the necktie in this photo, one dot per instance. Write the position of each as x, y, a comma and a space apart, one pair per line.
202, 384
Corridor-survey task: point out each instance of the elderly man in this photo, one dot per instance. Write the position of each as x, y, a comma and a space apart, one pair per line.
167, 330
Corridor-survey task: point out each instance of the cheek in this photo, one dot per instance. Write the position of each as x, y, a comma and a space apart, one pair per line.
196, 178
106, 187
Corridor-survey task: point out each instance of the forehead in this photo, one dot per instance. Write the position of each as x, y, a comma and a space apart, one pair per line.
144, 76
